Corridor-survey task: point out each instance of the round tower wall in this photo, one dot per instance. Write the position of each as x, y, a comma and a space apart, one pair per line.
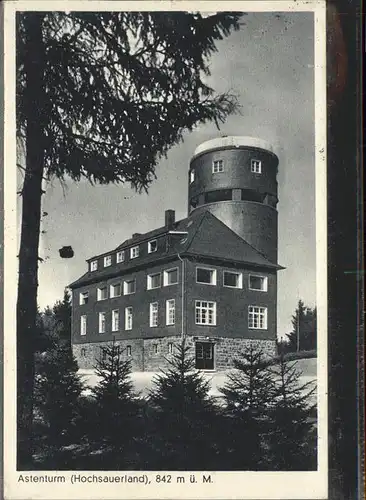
235, 178
237, 171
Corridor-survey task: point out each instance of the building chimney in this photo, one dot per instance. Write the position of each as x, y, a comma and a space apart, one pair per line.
169, 218
135, 235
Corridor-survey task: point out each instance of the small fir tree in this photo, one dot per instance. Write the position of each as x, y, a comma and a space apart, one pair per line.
58, 389
185, 422
116, 416
248, 395
292, 436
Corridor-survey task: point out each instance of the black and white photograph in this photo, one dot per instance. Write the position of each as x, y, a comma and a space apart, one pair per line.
167, 287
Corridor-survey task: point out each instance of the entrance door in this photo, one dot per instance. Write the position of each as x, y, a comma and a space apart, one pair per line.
204, 355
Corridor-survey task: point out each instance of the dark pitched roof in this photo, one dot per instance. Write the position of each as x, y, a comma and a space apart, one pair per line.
206, 237
215, 239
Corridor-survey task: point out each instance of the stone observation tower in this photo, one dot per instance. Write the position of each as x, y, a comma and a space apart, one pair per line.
235, 179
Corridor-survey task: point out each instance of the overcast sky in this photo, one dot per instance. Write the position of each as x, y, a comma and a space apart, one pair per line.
269, 64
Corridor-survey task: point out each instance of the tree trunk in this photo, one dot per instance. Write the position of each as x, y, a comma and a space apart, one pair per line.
28, 252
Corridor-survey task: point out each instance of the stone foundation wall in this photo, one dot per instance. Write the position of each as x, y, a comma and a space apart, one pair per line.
153, 354
226, 349
86, 354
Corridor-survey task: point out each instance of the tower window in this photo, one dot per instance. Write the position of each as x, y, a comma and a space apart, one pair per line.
257, 318
219, 195
206, 276
233, 280
259, 283
120, 256
191, 176
256, 166
217, 166
205, 312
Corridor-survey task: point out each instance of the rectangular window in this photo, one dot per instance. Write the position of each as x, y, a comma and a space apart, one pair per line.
115, 320
134, 252
205, 312
170, 277
206, 276
129, 350
257, 318
83, 352
155, 348
128, 318
170, 348
217, 166
259, 283
83, 298
152, 246
115, 290
102, 293
102, 322
170, 312
94, 265
120, 256
256, 166
233, 280
191, 176
153, 281
107, 261
129, 286
154, 308
83, 325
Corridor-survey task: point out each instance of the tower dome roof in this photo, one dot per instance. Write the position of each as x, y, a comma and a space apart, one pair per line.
233, 141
